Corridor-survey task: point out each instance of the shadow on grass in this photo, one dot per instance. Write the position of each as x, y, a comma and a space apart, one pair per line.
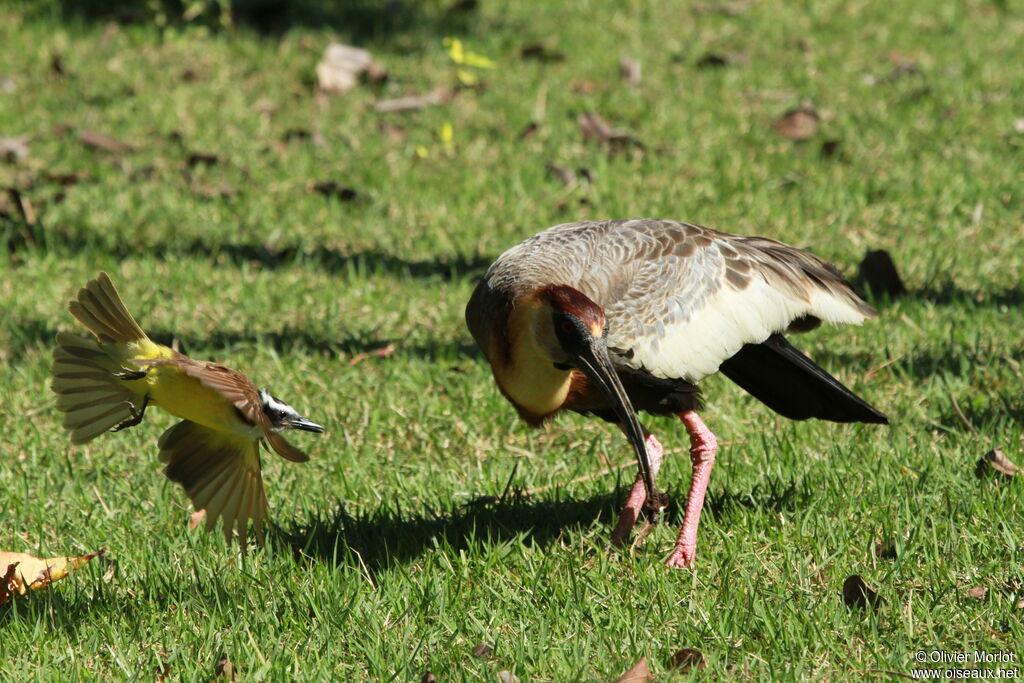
391, 536
31, 333
357, 20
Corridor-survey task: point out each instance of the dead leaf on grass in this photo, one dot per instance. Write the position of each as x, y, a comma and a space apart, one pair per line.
542, 51
104, 142
329, 188
507, 677
14, 149
996, 462
629, 69
225, 668
638, 673
342, 65
688, 659
977, 592
877, 272
484, 650
22, 572
428, 677
596, 128
857, 594
798, 124
566, 175
413, 102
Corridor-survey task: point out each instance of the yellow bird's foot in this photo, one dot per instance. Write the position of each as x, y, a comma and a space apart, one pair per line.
136, 417
130, 374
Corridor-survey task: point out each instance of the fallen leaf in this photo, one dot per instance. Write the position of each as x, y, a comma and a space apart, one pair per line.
507, 677
830, 147
596, 128
688, 659
856, 593
342, 65
225, 668
484, 650
542, 52
886, 549
413, 102
629, 68
196, 158
330, 188
529, 130
977, 592
582, 85
995, 461
566, 175
14, 149
712, 60
104, 142
798, 124
877, 272
638, 673
22, 572
428, 677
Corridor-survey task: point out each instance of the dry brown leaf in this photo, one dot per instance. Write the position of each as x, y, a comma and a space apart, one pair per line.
877, 272
428, 677
329, 188
14, 149
995, 461
104, 142
856, 593
638, 673
543, 52
484, 650
507, 677
629, 68
977, 592
566, 175
413, 102
22, 572
342, 65
798, 124
225, 668
596, 128
688, 659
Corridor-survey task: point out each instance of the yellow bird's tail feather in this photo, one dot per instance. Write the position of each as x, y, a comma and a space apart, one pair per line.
220, 473
92, 399
99, 307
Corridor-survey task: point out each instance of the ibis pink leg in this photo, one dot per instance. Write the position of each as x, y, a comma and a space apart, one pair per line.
703, 447
638, 495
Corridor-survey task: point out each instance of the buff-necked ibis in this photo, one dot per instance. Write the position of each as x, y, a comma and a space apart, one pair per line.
607, 318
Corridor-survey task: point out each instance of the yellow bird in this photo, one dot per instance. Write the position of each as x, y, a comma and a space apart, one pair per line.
106, 384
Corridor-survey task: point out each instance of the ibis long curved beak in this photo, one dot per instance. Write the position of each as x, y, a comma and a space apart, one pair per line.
305, 425
594, 362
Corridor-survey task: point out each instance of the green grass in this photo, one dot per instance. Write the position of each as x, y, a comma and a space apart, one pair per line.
378, 568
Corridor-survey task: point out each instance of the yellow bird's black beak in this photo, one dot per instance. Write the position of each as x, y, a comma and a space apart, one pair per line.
591, 358
305, 425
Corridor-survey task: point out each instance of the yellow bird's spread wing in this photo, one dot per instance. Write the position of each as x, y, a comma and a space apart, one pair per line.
220, 473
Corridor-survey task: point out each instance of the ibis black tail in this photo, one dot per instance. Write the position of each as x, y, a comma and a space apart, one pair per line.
794, 386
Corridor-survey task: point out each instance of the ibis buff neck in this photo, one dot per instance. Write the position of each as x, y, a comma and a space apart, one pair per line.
527, 372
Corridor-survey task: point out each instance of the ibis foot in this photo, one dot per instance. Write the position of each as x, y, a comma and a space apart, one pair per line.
703, 448
638, 495
136, 417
